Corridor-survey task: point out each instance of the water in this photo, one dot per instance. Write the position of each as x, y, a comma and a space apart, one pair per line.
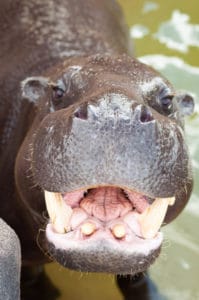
166, 35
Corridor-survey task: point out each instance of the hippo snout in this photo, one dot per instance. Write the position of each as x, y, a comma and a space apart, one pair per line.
114, 141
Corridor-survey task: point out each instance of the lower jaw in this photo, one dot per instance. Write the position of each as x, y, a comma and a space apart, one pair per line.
101, 253
126, 244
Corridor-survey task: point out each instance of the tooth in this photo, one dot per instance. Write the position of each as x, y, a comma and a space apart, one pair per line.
119, 231
151, 219
79, 216
88, 228
59, 212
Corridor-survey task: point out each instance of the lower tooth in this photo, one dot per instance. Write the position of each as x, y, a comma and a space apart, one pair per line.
151, 219
88, 228
119, 231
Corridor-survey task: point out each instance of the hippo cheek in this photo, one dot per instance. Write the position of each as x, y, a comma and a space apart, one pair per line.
110, 170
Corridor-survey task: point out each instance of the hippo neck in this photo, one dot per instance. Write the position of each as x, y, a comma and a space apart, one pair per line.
59, 29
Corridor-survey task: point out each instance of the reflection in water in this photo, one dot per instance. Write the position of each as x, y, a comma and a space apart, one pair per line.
177, 33
138, 31
149, 6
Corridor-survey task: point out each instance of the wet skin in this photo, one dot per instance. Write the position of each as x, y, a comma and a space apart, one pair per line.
93, 125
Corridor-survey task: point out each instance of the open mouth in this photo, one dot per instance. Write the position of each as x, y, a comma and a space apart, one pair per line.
121, 215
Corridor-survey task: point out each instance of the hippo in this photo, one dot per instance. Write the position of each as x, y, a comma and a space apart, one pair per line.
93, 159
10, 263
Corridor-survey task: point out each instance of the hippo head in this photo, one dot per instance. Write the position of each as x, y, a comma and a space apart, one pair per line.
107, 150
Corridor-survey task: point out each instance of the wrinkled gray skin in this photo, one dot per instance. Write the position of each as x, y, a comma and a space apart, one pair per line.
10, 263
92, 116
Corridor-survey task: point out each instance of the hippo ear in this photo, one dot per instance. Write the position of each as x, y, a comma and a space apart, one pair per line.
185, 102
34, 87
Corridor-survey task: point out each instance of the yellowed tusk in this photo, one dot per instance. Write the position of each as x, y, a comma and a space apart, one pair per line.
59, 212
151, 219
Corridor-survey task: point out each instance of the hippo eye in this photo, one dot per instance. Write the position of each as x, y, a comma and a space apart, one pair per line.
166, 102
58, 92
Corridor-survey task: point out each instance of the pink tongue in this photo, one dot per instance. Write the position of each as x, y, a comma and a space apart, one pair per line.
106, 203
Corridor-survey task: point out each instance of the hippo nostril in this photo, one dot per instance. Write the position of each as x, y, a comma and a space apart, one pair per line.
81, 112
145, 115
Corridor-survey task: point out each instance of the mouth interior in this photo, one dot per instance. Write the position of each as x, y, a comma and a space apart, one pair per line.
119, 213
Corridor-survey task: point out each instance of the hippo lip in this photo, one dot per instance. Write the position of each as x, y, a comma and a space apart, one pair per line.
121, 215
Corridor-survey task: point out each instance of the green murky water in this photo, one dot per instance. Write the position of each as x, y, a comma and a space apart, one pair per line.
166, 35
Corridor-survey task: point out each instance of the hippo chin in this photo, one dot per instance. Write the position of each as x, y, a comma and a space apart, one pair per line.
92, 135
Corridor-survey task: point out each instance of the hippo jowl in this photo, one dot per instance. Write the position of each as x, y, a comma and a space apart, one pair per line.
90, 134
